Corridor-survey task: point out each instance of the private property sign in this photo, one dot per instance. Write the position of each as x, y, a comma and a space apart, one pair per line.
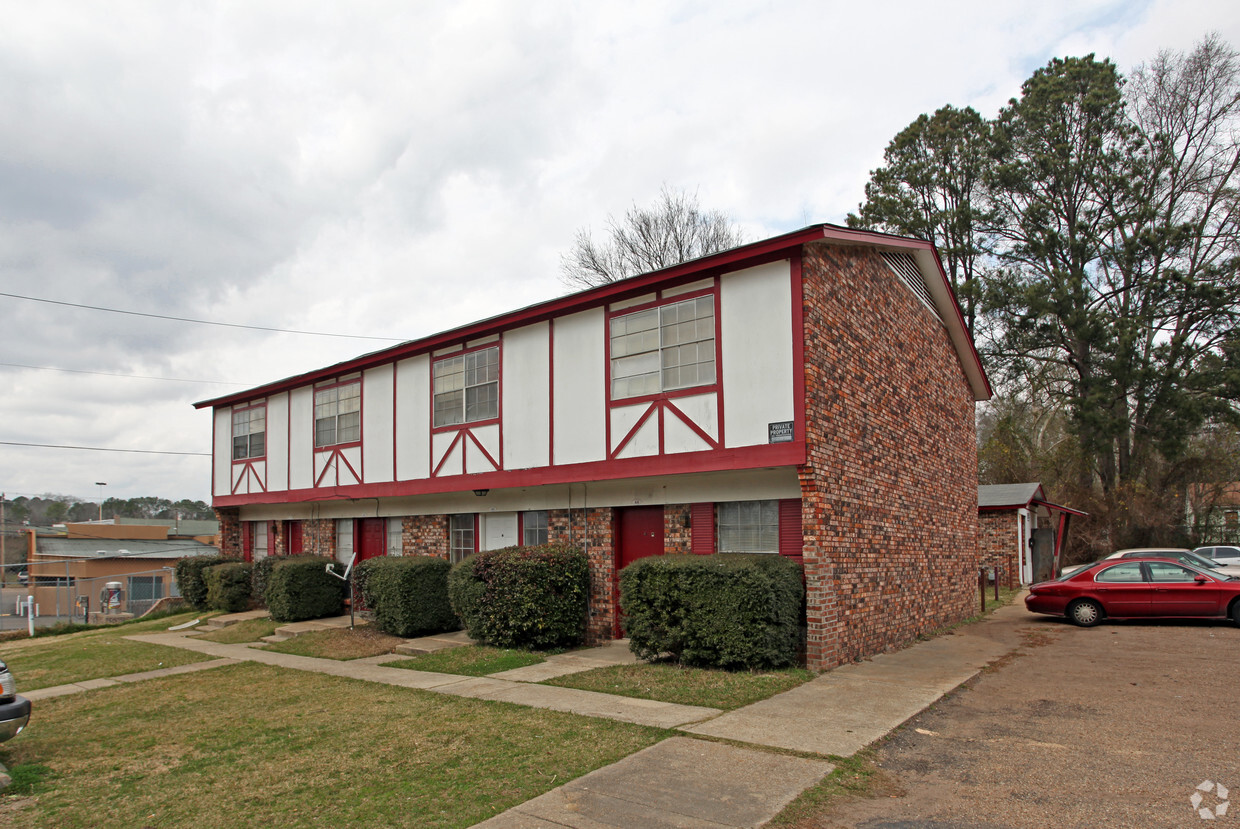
779, 432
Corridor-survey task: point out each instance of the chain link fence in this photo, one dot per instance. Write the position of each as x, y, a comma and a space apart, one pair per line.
50, 592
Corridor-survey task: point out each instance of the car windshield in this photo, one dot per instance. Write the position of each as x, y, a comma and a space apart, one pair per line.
1200, 561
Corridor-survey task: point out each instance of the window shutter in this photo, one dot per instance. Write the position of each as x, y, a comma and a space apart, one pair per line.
247, 541
790, 539
702, 528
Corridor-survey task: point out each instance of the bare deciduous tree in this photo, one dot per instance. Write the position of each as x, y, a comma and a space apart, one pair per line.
674, 229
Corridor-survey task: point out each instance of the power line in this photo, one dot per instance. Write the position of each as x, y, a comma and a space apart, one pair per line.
134, 376
102, 449
199, 322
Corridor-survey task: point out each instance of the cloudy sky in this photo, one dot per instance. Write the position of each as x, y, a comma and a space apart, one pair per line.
392, 169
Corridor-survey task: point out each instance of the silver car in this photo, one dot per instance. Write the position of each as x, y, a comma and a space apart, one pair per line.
14, 710
1221, 554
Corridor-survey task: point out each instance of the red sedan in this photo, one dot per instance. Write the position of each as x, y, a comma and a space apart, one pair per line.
1134, 589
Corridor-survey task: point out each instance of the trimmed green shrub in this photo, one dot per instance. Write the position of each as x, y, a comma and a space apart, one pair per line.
408, 595
260, 577
523, 597
725, 610
300, 588
191, 581
228, 586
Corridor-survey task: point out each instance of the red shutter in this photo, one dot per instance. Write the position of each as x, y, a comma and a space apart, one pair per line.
247, 541
702, 528
790, 539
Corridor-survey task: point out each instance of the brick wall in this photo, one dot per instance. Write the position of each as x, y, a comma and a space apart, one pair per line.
677, 536
889, 490
593, 528
998, 544
425, 535
230, 531
318, 537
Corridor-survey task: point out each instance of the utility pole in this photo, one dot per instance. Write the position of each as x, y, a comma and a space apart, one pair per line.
3, 570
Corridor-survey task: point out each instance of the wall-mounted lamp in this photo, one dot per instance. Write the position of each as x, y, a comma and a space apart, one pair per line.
481, 492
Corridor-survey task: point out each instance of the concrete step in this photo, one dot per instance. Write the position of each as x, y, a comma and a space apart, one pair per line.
276, 637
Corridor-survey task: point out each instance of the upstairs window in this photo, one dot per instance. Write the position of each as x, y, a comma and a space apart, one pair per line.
249, 433
748, 526
663, 349
467, 387
338, 415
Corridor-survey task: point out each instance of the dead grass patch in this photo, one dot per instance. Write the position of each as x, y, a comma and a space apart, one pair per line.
250, 630
341, 644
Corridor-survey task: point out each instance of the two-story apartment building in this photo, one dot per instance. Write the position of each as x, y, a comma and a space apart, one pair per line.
809, 395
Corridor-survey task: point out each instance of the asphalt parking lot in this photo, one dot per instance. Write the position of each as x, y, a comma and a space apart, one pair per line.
1113, 726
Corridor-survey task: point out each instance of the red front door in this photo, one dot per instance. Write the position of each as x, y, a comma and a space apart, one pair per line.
293, 534
639, 533
370, 540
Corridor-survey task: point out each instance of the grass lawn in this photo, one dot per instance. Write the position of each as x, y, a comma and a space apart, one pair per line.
254, 745
96, 654
469, 660
340, 643
687, 686
251, 630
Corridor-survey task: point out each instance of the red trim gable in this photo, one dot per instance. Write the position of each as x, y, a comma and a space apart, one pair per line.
768, 250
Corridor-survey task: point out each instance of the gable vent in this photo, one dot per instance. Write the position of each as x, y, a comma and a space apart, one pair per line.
906, 268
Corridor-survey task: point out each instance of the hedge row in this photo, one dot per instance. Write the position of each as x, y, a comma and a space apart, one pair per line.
191, 579
725, 610
408, 595
300, 588
228, 586
523, 597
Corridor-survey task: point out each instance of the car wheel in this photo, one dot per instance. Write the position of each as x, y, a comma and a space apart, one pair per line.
1235, 612
1085, 613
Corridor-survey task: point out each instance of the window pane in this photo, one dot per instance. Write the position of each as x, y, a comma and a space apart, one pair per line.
481, 402
748, 526
395, 536
449, 408
349, 428
258, 420
325, 432
258, 445
240, 444
241, 423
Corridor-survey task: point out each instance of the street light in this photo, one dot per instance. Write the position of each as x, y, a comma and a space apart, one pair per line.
101, 485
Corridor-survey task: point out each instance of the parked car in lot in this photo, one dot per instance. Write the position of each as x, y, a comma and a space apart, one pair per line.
1222, 554
14, 710
1180, 554
1136, 588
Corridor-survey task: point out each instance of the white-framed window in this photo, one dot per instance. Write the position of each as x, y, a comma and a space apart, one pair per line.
395, 536
261, 543
338, 414
534, 527
249, 433
344, 540
461, 537
663, 349
748, 526
467, 387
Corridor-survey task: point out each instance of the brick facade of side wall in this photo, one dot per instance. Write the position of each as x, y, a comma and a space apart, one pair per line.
677, 534
230, 531
425, 535
318, 537
889, 490
998, 544
595, 529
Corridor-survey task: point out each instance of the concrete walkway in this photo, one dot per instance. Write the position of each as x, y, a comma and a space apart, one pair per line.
682, 781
